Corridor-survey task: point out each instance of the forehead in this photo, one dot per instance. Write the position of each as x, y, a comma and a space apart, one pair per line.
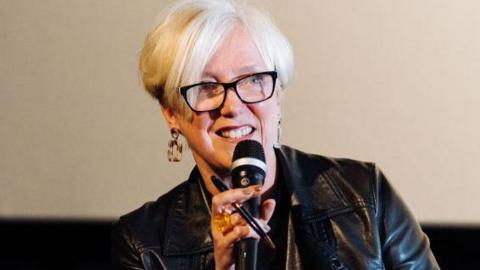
237, 55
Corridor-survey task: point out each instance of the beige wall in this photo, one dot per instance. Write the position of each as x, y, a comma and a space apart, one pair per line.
394, 82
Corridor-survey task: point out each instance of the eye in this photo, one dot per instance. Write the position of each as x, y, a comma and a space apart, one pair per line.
209, 90
255, 80
207, 87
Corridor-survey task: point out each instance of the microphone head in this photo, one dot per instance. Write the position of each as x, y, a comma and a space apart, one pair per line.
248, 164
249, 149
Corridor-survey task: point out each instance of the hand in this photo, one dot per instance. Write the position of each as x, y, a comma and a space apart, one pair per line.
223, 242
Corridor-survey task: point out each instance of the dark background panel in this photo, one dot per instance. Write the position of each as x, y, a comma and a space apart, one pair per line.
60, 244
85, 245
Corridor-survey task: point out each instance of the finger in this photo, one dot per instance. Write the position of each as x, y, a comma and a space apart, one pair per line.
253, 234
268, 207
230, 238
263, 226
220, 200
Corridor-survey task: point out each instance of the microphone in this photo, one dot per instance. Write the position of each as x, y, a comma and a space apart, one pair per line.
248, 168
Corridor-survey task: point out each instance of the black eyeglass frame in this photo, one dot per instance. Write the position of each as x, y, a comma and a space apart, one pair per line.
231, 85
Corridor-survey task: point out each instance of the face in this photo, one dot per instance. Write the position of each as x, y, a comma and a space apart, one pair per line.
212, 136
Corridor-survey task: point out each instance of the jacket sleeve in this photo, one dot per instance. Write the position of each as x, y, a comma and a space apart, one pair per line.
124, 254
404, 245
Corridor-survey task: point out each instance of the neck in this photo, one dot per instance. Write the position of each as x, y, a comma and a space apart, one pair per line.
271, 171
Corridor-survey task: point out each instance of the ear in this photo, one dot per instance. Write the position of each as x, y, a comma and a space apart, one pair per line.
170, 117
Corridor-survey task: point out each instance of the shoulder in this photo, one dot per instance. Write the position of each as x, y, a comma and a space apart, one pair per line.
145, 224
357, 174
359, 198
160, 231
321, 163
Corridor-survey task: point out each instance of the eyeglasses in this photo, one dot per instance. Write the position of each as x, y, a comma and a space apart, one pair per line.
208, 96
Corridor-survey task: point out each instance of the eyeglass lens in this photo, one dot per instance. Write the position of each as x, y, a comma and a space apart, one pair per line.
251, 89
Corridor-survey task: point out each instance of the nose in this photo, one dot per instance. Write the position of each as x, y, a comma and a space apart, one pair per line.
232, 104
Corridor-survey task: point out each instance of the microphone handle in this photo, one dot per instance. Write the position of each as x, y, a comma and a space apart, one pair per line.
246, 250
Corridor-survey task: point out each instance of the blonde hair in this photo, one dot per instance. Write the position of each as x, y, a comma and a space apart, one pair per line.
177, 50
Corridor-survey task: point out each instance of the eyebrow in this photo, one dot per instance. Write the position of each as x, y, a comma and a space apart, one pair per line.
242, 71
250, 69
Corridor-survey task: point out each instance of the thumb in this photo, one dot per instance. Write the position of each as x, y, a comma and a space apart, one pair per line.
268, 206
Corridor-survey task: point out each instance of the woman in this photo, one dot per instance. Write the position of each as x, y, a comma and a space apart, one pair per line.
218, 69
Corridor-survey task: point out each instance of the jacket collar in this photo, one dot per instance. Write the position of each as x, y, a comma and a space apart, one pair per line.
312, 181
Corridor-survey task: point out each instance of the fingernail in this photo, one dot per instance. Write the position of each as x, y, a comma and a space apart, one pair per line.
258, 188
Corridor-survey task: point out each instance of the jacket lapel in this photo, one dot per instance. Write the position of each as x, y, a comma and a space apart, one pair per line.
188, 221
315, 198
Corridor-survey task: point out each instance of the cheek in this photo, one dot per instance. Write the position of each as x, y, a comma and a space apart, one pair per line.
268, 116
196, 131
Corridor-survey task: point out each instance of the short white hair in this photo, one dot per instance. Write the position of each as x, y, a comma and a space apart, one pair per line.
177, 50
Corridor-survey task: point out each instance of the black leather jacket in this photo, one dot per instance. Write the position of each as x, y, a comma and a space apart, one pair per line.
344, 215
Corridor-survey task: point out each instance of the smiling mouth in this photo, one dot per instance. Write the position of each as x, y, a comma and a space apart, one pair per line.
235, 133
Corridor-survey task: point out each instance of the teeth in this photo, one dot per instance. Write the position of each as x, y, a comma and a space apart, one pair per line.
236, 133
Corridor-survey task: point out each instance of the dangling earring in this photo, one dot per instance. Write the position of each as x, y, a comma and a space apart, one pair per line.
278, 143
175, 146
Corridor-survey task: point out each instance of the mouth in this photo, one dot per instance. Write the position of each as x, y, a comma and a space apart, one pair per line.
235, 133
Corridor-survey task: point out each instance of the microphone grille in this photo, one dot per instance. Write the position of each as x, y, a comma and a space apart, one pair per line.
249, 148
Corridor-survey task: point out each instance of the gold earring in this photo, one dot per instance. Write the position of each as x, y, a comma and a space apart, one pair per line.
175, 146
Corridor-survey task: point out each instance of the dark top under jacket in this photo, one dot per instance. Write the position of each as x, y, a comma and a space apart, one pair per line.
343, 215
